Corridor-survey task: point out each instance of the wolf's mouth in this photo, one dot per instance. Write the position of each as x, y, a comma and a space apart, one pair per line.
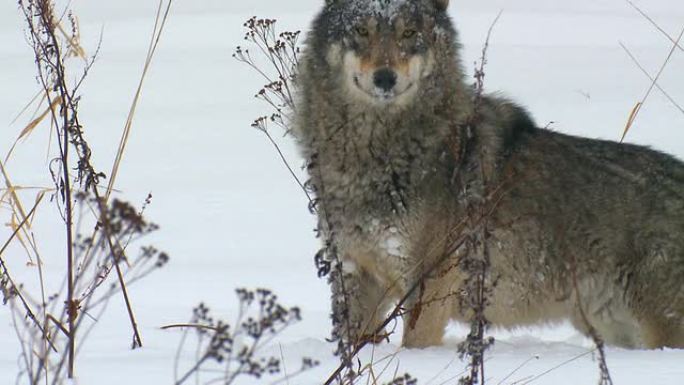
382, 96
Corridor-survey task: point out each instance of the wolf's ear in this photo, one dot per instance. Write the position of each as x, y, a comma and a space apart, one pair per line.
441, 4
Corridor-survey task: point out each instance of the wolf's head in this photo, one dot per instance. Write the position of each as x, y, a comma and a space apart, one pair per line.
382, 51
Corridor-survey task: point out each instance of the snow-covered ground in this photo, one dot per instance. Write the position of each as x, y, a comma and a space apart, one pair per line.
230, 214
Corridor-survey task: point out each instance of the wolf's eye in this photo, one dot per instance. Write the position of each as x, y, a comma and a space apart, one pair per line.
409, 33
362, 31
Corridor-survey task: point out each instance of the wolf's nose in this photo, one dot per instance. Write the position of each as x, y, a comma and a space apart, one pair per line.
385, 79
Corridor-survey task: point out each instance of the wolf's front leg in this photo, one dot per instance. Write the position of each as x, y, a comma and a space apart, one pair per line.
427, 313
359, 305
429, 308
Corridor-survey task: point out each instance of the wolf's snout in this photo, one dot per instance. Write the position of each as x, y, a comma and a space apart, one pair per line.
385, 79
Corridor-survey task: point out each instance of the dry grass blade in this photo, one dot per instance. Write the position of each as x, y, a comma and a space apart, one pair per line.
630, 120
14, 198
40, 94
159, 24
19, 214
34, 123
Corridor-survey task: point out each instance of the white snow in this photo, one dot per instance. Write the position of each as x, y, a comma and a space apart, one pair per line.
230, 214
386, 9
393, 243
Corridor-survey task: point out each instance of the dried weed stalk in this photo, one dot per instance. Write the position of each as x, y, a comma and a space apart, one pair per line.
99, 233
476, 263
276, 62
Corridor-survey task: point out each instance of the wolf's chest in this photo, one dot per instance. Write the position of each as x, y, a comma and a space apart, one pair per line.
362, 186
380, 249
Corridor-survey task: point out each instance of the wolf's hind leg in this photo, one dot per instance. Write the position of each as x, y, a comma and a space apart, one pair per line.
658, 293
662, 333
622, 332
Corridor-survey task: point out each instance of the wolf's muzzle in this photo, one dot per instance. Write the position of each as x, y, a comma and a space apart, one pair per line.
385, 79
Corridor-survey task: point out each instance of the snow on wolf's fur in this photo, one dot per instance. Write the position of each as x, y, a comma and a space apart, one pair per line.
384, 9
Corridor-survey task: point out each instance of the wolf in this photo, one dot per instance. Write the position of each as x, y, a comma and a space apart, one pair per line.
400, 148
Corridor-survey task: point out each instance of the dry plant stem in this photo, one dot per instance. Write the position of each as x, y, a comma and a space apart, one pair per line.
287, 164
658, 27
48, 24
17, 208
281, 52
188, 326
653, 84
605, 378
47, 28
159, 24
51, 56
48, 53
636, 61
5, 272
193, 370
177, 356
554, 368
24, 353
236, 347
118, 255
509, 375
475, 345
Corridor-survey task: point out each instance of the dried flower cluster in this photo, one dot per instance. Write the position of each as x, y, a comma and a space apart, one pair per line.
235, 351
